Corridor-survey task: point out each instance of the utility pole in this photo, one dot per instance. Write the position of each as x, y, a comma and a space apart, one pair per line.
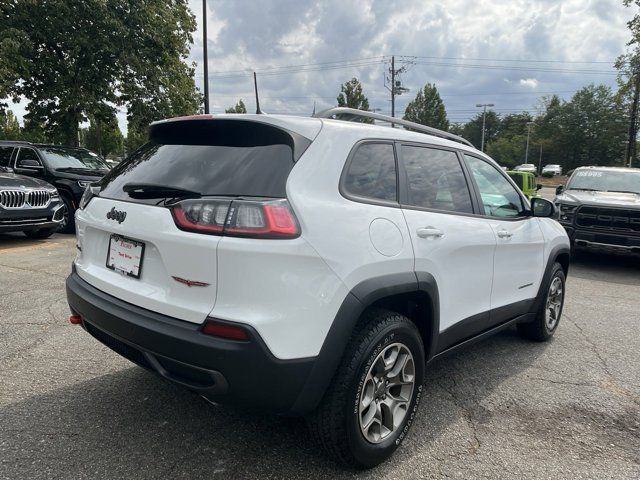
206, 56
392, 84
540, 161
526, 152
484, 117
633, 120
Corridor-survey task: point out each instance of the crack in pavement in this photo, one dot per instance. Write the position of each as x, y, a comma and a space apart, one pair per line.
466, 413
594, 347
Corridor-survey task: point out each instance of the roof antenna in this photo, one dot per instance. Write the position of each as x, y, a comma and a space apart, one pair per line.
255, 85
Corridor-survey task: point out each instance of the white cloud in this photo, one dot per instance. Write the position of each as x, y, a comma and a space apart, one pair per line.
529, 82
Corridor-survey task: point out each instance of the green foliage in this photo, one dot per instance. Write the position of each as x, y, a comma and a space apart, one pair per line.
9, 126
351, 95
239, 108
427, 108
472, 130
78, 59
103, 137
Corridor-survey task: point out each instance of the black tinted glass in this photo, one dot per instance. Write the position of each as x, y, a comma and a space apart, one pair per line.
259, 171
519, 180
372, 172
5, 156
435, 180
27, 154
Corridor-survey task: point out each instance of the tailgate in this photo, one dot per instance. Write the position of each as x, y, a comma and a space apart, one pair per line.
168, 252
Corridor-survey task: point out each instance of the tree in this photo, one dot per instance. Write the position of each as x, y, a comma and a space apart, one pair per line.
74, 59
9, 126
510, 143
427, 109
351, 95
103, 137
472, 130
239, 108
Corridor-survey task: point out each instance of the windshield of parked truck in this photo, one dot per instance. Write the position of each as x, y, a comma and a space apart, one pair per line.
606, 180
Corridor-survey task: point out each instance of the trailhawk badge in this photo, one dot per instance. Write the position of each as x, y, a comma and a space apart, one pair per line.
190, 283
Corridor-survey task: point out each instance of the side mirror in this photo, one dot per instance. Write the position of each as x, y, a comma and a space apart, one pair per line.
538, 187
541, 207
29, 163
559, 189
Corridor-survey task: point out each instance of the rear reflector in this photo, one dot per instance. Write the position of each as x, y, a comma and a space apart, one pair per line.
75, 319
237, 218
224, 330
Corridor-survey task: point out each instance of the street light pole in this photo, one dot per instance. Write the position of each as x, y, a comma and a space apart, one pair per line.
206, 56
484, 117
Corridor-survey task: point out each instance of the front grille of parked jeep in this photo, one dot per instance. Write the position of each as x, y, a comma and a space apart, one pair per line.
24, 198
606, 218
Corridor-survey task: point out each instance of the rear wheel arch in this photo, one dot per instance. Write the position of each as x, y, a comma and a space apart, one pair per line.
412, 295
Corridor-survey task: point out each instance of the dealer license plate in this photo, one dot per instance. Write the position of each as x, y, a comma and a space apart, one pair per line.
125, 255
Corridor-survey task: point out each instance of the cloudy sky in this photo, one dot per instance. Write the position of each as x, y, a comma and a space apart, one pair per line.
509, 53
504, 52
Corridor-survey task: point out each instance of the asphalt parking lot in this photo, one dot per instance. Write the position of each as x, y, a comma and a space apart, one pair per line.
504, 408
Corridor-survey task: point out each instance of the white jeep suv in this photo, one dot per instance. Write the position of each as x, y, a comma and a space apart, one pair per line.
312, 266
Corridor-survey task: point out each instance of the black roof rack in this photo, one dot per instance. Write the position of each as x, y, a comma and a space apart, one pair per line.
352, 114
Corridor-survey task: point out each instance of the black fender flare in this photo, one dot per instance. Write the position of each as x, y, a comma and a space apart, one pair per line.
555, 253
357, 300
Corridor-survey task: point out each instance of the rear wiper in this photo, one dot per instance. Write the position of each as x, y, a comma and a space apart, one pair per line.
154, 190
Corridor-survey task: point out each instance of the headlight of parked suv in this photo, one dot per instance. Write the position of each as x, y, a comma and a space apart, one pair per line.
566, 212
84, 183
53, 193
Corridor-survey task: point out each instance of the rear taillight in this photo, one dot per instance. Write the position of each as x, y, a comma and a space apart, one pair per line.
237, 218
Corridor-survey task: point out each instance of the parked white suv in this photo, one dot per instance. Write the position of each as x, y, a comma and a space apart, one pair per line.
552, 169
312, 266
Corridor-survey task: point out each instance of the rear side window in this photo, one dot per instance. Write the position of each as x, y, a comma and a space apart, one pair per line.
239, 159
435, 180
5, 156
372, 173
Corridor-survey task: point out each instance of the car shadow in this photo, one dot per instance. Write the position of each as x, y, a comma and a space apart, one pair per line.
605, 266
14, 240
132, 424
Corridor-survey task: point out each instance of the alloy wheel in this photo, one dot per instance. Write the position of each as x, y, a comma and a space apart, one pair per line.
386, 393
555, 297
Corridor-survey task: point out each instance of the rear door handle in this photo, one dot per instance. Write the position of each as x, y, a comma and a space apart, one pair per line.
430, 232
504, 234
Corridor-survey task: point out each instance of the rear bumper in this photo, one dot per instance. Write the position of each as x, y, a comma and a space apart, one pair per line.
603, 240
221, 370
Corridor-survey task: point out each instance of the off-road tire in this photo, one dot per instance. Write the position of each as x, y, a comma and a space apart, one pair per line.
539, 330
335, 423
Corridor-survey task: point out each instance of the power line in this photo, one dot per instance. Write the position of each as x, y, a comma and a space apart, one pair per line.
519, 60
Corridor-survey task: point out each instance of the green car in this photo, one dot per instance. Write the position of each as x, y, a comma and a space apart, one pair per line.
527, 183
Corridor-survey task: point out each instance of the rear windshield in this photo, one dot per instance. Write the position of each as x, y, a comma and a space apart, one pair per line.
259, 171
519, 180
210, 158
